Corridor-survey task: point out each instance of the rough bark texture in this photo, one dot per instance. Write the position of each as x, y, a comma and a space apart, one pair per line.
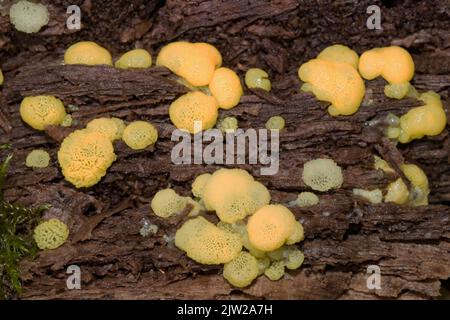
344, 234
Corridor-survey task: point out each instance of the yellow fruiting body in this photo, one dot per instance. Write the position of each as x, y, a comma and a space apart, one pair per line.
381, 164
139, 135
275, 123
67, 122
136, 59
198, 186
233, 194
427, 120
51, 234
306, 199
242, 270
419, 181
28, 17
373, 196
336, 82
226, 87
294, 259
393, 63
228, 124
120, 126
41, 111
397, 192
37, 159
195, 62
87, 53
275, 271
167, 203
256, 78
1, 77
197, 207
106, 126
322, 174
205, 243
297, 235
263, 264
398, 90
85, 156
270, 227
340, 53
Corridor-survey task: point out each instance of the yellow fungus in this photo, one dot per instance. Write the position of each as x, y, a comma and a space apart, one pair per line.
398, 90
242, 270
85, 156
88, 53
191, 107
427, 120
419, 181
322, 174
397, 192
195, 62
28, 17
205, 243
257, 78
263, 264
37, 159
226, 87
139, 135
307, 199
167, 203
373, 196
1, 77
106, 126
51, 234
197, 207
294, 258
198, 186
297, 235
137, 58
120, 127
336, 82
275, 123
270, 227
275, 271
340, 53
67, 122
381, 164
228, 124
41, 111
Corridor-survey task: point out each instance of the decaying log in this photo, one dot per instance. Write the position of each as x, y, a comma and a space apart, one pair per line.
344, 233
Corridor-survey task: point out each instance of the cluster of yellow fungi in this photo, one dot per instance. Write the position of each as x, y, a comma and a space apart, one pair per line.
253, 237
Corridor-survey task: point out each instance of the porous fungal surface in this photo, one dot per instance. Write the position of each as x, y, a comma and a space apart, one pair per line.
362, 94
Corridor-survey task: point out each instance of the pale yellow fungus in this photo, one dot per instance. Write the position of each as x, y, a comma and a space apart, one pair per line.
41, 111
275, 123
167, 203
28, 17
322, 174
294, 258
373, 196
256, 78
275, 271
397, 192
67, 122
37, 159
242, 270
307, 199
139, 135
106, 126
1, 77
381, 164
137, 58
51, 234
228, 124
226, 87
419, 181
198, 186
87, 53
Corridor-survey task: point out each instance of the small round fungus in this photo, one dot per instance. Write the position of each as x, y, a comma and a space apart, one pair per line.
198, 186
419, 181
322, 174
226, 87
85, 156
373, 196
106, 126
207, 244
275, 271
393, 63
242, 270
51, 234
336, 82
340, 53
270, 227
137, 58
228, 124
257, 78
139, 135
427, 120
194, 107
263, 264
195, 62
298, 234
88, 53
38, 159
41, 111
397, 192
307, 199
398, 90
28, 17
275, 123
294, 259
167, 203
67, 122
